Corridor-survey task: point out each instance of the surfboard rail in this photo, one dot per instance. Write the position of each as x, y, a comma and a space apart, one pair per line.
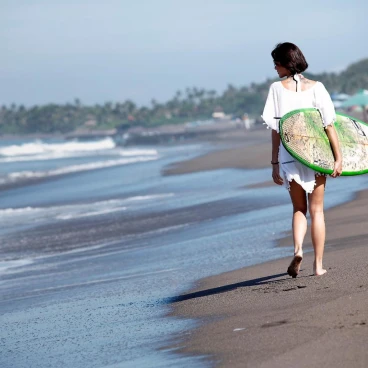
317, 138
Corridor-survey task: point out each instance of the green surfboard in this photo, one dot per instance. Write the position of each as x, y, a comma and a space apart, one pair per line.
304, 137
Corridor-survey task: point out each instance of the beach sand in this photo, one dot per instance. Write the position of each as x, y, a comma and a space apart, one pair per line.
260, 317
248, 150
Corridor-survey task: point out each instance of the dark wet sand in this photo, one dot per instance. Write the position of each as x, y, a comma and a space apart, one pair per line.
260, 317
251, 150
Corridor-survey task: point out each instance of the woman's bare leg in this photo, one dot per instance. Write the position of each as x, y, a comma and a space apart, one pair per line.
318, 229
299, 201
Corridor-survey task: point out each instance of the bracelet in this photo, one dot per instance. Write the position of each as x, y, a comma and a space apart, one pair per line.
274, 163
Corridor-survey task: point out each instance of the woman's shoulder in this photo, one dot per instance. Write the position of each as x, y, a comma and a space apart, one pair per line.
320, 86
275, 85
308, 83
312, 83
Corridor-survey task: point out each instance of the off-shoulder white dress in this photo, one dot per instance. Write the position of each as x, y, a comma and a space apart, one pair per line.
279, 102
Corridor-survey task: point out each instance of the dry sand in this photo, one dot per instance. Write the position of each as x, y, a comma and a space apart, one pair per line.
260, 317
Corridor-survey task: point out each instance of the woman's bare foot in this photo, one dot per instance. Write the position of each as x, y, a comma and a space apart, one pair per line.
318, 271
294, 267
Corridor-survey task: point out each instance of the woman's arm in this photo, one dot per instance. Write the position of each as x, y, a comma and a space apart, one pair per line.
327, 110
334, 141
275, 158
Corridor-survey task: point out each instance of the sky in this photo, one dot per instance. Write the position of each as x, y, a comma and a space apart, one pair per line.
55, 51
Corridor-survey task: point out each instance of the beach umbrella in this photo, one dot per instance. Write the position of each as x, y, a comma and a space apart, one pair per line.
359, 99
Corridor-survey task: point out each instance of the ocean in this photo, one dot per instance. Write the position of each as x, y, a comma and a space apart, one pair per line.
95, 242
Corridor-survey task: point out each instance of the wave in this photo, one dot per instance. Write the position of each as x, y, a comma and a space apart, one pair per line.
5, 265
13, 217
16, 216
138, 152
23, 175
92, 213
39, 147
72, 154
39, 150
148, 197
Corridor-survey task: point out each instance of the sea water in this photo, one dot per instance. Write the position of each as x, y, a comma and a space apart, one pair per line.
94, 241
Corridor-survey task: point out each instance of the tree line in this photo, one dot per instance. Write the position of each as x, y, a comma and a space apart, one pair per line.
188, 105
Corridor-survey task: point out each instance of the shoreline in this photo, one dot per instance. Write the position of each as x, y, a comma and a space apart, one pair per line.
251, 150
242, 313
258, 316
121, 261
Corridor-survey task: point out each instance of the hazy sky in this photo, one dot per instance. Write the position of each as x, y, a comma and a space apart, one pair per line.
111, 50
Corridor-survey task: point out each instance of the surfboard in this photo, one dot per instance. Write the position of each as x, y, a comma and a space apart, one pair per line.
304, 137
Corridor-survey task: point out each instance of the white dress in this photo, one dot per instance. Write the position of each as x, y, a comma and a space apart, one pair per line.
279, 102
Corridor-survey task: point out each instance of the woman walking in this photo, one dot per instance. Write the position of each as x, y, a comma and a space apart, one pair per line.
306, 187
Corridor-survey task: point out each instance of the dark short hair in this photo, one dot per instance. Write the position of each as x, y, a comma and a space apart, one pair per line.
290, 57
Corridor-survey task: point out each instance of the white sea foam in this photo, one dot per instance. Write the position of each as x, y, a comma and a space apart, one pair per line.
18, 216
148, 197
6, 265
40, 151
39, 147
136, 152
22, 175
100, 280
92, 213
74, 154
67, 212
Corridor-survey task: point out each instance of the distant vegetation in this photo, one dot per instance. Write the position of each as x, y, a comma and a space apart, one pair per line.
191, 104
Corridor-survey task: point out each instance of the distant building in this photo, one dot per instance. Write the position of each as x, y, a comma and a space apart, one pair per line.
90, 123
220, 115
338, 99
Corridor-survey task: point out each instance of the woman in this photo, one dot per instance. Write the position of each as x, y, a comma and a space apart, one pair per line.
296, 92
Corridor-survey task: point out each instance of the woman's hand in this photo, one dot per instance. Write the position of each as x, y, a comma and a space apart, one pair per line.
274, 160
334, 141
337, 169
276, 175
